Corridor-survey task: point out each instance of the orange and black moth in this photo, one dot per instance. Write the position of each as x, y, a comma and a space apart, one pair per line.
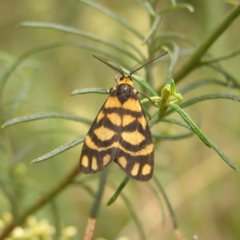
120, 132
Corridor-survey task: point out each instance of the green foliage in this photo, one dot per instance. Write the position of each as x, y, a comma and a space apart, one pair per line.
40, 121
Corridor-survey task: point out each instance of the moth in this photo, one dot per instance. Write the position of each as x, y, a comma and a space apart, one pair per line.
120, 132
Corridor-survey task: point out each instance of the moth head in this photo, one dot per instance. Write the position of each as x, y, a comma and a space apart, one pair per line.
125, 79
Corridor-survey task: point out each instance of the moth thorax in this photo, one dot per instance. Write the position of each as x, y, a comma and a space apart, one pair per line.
124, 92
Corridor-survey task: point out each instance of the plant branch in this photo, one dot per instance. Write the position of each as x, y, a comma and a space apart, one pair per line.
95, 208
41, 202
194, 60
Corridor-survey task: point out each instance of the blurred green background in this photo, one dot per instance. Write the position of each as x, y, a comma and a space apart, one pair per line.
202, 189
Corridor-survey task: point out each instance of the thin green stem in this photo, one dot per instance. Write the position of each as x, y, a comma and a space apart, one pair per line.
193, 126
119, 190
101, 186
219, 59
194, 60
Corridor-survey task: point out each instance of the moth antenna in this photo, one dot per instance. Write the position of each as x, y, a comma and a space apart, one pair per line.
144, 63
111, 64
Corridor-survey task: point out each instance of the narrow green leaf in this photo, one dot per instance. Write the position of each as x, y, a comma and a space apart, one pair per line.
171, 137
200, 83
119, 190
232, 81
144, 84
223, 58
177, 36
208, 97
134, 47
189, 121
132, 212
78, 32
113, 15
155, 191
147, 5
174, 55
187, 6
176, 122
59, 150
25, 150
90, 90
64, 28
223, 156
39, 116
134, 217
169, 206
6, 74
104, 91
153, 28
156, 118
20, 97
172, 121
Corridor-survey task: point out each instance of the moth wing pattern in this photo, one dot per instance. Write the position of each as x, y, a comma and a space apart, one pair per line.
99, 147
120, 132
135, 154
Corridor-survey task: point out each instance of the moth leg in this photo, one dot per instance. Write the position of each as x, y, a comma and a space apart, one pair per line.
116, 79
146, 96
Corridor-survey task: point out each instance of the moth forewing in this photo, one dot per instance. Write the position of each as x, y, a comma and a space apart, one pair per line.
135, 154
98, 147
120, 132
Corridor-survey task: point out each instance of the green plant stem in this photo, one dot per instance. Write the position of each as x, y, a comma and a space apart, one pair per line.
96, 204
132, 211
169, 206
41, 202
194, 60
119, 190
